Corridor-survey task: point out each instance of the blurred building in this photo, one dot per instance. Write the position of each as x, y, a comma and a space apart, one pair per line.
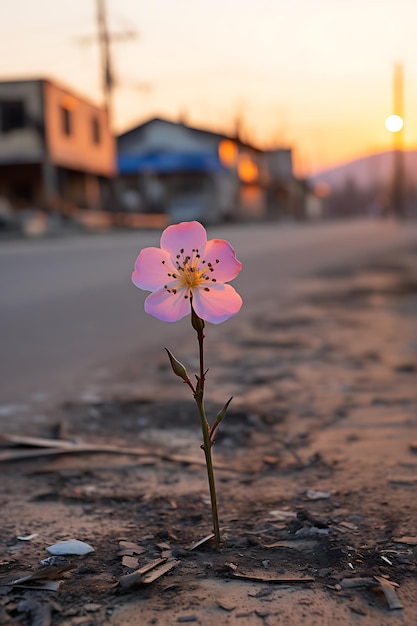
56, 150
284, 192
192, 173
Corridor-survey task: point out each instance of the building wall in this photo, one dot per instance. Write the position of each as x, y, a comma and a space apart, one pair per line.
25, 144
70, 133
279, 164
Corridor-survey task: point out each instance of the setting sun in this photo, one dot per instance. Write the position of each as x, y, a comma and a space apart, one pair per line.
394, 123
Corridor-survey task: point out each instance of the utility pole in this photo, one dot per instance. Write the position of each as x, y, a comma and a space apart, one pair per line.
105, 40
106, 69
398, 183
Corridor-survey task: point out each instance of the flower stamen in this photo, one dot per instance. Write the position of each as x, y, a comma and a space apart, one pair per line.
189, 273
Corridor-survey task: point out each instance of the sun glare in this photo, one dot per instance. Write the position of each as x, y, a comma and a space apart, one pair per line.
394, 123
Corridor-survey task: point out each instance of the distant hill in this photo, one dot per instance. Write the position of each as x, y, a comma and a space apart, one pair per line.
368, 172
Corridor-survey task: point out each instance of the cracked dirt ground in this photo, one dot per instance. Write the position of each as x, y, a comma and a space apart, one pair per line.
315, 466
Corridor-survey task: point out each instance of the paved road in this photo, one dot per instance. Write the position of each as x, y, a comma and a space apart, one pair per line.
67, 306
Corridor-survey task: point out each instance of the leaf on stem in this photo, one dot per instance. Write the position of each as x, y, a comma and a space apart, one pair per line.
220, 417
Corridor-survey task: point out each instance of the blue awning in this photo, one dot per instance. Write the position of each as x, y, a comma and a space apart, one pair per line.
169, 162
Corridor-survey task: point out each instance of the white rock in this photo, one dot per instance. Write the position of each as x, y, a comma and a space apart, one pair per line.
72, 546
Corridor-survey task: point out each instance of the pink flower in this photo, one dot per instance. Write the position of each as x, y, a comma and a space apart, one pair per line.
186, 267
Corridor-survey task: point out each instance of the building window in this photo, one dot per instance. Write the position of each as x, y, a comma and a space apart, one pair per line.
66, 121
95, 129
12, 115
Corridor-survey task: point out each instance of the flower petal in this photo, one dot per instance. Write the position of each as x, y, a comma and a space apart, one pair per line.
217, 304
168, 307
152, 268
187, 236
223, 260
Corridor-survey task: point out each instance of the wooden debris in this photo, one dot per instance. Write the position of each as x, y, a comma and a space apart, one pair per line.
44, 577
201, 542
352, 583
129, 548
410, 541
231, 566
92, 607
160, 571
264, 577
281, 515
27, 537
344, 527
135, 578
35, 442
50, 447
130, 561
40, 585
39, 447
147, 574
388, 589
377, 583
349, 526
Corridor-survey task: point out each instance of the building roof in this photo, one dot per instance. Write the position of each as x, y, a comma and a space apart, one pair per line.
202, 132
56, 83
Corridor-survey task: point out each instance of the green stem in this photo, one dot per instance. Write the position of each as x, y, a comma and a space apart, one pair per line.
207, 445
198, 324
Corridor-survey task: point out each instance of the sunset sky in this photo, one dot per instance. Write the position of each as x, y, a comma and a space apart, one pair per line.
313, 75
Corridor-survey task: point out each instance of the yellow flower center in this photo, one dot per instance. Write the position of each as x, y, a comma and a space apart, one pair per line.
190, 276
188, 273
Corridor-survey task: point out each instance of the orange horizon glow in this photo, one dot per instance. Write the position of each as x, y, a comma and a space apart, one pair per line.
286, 74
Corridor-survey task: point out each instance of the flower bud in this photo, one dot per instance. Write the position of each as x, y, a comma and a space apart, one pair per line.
177, 367
197, 323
